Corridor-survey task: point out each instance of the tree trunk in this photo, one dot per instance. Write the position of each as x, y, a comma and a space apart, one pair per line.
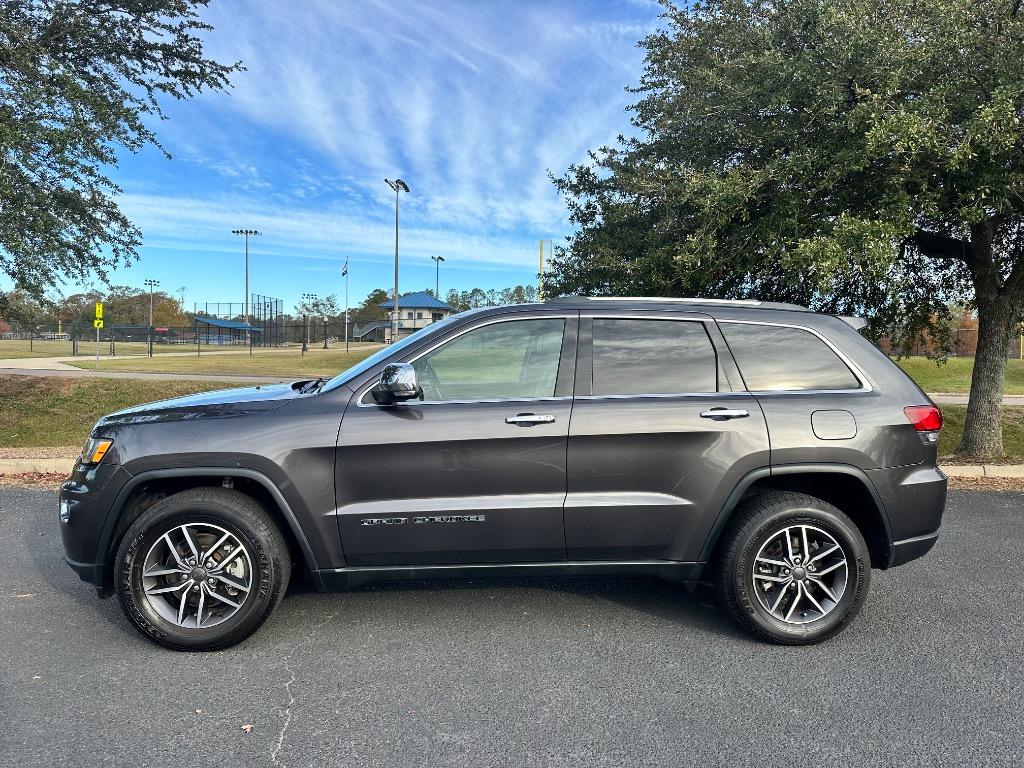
983, 428
997, 302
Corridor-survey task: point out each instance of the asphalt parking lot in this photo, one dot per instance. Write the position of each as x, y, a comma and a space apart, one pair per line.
524, 673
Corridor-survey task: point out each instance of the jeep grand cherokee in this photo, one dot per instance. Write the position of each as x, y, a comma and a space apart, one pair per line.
764, 447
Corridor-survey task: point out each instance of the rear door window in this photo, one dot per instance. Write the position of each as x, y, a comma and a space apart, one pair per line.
775, 358
652, 357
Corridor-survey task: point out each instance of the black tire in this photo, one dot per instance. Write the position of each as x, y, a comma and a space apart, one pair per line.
230, 511
756, 523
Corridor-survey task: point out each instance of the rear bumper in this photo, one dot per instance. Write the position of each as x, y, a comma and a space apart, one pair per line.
910, 549
914, 498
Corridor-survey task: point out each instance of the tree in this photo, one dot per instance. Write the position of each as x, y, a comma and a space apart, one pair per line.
370, 309
322, 306
859, 156
492, 297
78, 80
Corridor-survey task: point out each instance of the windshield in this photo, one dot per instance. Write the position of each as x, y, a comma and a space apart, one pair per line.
383, 354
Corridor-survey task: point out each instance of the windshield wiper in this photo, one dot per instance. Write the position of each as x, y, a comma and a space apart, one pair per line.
311, 386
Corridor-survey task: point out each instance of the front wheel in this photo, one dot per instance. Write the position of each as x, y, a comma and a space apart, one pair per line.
201, 570
793, 569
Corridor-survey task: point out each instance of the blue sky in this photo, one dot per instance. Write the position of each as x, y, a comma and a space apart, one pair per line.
472, 103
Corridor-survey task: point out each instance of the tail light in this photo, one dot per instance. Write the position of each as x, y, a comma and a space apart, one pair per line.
925, 418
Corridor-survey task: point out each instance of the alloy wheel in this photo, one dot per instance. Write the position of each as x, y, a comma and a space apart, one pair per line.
800, 574
197, 575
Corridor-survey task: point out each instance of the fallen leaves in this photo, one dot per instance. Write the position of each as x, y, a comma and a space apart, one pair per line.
248, 727
986, 484
35, 480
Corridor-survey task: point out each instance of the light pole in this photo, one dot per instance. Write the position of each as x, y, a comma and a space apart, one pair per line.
246, 233
437, 275
151, 284
398, 186
309, 302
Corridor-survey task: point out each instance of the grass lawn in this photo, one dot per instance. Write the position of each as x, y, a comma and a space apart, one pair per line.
953, 429
43, 412
15, 348
276, 362
954, 375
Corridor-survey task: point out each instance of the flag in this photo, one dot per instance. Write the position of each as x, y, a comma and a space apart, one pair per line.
344, 270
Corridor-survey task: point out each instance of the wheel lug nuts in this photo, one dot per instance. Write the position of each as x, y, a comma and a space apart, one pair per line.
195, 588
211, 582
210, 563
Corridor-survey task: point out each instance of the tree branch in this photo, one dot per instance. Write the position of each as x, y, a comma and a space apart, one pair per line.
938, 246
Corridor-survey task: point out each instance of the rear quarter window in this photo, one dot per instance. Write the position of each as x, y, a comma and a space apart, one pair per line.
774, 358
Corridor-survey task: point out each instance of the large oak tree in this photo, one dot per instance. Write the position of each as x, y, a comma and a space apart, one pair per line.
80, 79
855, 156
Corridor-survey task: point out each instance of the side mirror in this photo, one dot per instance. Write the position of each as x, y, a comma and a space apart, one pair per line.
397, 383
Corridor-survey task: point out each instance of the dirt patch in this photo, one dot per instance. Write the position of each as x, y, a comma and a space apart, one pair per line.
36, 480
59, 452
986, 483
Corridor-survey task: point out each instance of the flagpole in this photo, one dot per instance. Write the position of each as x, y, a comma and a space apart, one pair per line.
346, 306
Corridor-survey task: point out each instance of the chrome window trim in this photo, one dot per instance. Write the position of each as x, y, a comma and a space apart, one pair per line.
744, 393
493, 321
865, 383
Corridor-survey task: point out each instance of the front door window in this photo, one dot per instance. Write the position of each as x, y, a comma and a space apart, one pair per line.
510, 360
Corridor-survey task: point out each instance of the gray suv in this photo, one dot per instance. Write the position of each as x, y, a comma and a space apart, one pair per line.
766, 448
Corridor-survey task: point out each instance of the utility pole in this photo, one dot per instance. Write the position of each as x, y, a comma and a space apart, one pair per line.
540, 268
246, 233
437, 275
151, 284
398, 186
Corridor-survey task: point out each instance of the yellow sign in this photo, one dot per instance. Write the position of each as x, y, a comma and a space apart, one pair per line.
97, 323
99, 312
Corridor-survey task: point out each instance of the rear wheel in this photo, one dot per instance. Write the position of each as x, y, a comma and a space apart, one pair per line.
793, 569
202, 569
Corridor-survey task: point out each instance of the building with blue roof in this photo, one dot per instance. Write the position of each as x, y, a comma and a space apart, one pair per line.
415, 311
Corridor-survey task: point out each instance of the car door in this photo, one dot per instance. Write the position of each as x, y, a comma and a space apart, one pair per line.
661, 432
474, 471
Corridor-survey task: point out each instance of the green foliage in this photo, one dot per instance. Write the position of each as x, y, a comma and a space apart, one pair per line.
78, 80
860, 156
369, 310
478, 297
123, 305
839, 155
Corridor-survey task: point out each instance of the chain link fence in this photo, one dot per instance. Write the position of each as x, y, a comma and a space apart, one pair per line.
203, 336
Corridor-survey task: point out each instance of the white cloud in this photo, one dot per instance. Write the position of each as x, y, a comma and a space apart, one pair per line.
471, 103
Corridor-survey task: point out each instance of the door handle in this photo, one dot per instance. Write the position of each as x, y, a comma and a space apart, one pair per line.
722, 414
529, 419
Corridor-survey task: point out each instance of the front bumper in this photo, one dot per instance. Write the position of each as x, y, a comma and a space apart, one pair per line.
85, 503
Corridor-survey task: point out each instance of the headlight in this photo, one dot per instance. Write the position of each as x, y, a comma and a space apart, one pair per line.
95, 449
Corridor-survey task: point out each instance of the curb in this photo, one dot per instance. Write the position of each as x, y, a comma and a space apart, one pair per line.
983, 470
55, 466
49, 466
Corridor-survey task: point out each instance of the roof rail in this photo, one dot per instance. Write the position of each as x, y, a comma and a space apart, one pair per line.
751, 303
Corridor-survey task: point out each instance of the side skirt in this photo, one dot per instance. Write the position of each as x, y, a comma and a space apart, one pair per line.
347, 578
